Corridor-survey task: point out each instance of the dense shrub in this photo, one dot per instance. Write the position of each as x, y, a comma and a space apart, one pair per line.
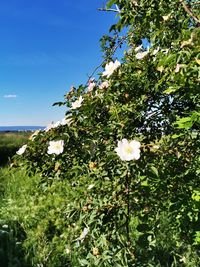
102, 200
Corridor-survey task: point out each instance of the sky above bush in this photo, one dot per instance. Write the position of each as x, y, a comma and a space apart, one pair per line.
46, 47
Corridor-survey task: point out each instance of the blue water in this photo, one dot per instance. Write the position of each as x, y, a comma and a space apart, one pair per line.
20, 128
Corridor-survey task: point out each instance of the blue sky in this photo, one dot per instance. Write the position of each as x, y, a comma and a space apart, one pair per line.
46, 46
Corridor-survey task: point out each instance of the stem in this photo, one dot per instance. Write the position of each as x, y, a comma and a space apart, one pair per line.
119, 121
188, 10
128, 205
108, 9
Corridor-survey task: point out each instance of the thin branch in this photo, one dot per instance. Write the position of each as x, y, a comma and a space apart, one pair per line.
196, 3
111, 53
108, 9
188, 10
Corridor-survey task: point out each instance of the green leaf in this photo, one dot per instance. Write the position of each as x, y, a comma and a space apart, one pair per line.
170, 90
144, 183
196, 195
154, 170
58, 104
184, 123
84, 262
110, 3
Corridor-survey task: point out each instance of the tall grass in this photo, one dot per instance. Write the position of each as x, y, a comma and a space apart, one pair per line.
12, 235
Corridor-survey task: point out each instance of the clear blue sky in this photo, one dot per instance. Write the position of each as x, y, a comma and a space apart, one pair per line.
46, 46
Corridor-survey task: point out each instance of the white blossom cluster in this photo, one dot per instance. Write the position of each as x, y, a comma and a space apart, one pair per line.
125, 150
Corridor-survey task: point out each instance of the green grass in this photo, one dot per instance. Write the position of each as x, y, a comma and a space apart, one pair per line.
10, 142
11, 234
12, 253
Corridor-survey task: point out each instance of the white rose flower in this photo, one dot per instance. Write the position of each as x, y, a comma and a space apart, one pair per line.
49, 127
21, 150
91, 85
138, 48
104, 85
167, 17
77, 104
52, 125
83, 234
32, 137
110, 68
66, 121
56, 147
56, 124
141, 55
128, 150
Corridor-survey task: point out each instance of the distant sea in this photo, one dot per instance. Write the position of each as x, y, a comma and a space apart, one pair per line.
20, 128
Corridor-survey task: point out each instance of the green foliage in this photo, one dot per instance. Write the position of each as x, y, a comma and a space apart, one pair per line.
85, 206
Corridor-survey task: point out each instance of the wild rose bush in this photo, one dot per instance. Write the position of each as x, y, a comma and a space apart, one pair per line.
119, 174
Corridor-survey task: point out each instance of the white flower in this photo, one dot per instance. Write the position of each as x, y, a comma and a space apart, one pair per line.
21, 150
56, 124
65, 121
110, 68
160, 69
155, 51
32, 137
83, 234
178, 67
128, 150
67, 250
56, 147
138, 48
91, 85
104, 85
77, 104
52, 125
49, 127
141, 55
167, 17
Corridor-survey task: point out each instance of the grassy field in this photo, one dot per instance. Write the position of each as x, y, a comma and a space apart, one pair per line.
10, 142
11, 254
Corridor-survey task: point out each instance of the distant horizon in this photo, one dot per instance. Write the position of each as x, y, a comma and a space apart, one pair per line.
22, 125
21, 128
